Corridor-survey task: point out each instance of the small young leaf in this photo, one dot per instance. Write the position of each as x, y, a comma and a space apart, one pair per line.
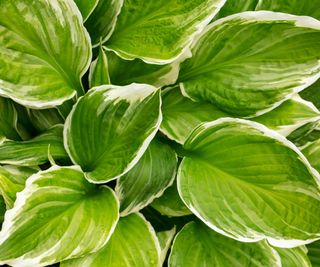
86, 7
110, 128
197, 245
170, 203
58, 216
249, 183
289, 116
181, 115
249, 63
312, 94
44, 51
312, 153
158, 32
44, 119
165, 239
8, 120
102, 20
133, 243
124, 72
99, 73
35, 151
148, 179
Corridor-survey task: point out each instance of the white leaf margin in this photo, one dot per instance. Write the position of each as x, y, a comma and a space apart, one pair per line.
117, 93
282, 243
53, 103
298, 21
19, 204
132, 208
187, 43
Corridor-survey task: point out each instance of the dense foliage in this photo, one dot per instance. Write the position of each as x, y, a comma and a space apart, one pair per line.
180, 133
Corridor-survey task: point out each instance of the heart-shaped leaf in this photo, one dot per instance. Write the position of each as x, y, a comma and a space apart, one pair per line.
44, 51
160, 31
197, 245
58, 216
249, 63
249, 183
110, 128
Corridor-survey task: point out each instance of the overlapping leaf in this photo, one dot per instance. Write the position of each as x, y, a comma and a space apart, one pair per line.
35, 151
58, 216
8, 120
294, 257
133, 243
249, 183
102, 20
12, 181
197, 245
148, 179
160, 31
296, 7
86, 7
170, 203
236, 6
124, 72
248, 63
111, 127
99, 70
44, 51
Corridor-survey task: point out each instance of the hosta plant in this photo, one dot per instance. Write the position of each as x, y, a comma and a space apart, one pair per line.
139, 133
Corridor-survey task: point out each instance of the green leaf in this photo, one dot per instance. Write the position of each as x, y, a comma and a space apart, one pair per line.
8, 120
12, 181
314, 253
44, 51
2, 210
99, 73
86, 7
236, 6
301, 136
294, 257
110, 128
160, 31
44, 119
312, 153
170, 203
102, 20
133, 243
250, 183
289, 116
296, 7
249, 63
312, 94
165, 239
24, 125
35, 151
308, 135
181, 115
58, 216
148, 179
197, 245
123, 72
